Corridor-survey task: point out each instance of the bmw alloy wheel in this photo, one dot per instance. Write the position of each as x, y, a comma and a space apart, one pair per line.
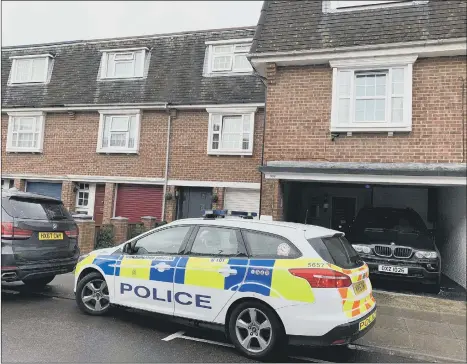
253, 330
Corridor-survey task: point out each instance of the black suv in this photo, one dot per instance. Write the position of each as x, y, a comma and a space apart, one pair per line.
396, 244
39, 238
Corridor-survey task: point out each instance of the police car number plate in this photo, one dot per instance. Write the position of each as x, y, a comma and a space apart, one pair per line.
392, 269
365, 323
50, 236
359, 287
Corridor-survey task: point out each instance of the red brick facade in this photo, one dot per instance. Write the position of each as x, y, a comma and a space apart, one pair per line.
299, 110
70, 142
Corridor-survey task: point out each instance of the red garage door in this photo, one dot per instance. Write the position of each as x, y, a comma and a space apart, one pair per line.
135, 201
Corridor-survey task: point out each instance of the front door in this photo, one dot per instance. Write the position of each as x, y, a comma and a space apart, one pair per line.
193, 201
144, 279
343, 213
212, 274
99, 204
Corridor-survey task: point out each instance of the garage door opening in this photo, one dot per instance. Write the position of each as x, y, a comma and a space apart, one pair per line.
442, 210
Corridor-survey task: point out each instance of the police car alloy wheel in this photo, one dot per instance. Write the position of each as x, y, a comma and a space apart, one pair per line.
255, 330
92, 294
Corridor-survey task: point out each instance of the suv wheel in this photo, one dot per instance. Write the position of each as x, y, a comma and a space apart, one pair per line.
92, 294
255, 330
38, 282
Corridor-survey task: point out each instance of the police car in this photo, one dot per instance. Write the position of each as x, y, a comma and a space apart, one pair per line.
264, 283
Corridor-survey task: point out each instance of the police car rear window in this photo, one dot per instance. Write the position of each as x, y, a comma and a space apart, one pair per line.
336, 250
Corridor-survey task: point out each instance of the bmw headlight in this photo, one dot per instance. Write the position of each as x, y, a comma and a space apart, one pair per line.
427, 255
362, 249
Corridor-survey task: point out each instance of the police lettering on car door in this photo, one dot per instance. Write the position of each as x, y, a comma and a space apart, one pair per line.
182, 298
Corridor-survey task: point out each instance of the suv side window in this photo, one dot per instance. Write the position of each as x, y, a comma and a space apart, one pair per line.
220, 241
166, 241
264, 245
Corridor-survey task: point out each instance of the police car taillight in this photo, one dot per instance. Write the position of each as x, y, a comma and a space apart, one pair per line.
322, 278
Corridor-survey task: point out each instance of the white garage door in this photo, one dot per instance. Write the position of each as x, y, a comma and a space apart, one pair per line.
241, 200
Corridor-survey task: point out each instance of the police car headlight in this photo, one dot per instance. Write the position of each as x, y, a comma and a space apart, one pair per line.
81, 257
426, 255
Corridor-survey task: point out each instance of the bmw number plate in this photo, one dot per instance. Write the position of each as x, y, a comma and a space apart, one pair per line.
392, 269
50, 236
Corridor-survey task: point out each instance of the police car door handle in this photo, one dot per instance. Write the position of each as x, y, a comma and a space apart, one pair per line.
227, 271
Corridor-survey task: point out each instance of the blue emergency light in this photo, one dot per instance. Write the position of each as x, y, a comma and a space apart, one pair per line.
212, 214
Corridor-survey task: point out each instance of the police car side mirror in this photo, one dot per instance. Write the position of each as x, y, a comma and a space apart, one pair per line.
127, 248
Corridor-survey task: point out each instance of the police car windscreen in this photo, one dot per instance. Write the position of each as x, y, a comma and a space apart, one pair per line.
337, 250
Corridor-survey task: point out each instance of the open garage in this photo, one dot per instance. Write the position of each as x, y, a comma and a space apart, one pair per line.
333, 194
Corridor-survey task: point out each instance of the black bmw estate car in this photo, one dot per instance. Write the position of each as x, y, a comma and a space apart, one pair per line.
396, 244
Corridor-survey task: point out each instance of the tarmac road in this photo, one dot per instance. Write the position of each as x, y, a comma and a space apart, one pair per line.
47, 326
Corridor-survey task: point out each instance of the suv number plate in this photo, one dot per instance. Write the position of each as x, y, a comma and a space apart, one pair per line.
392, 269
50, 236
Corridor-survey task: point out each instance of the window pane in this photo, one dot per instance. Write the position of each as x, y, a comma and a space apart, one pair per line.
246, 123
397, 109
167, 241
124, 69
25, 140
106, 132
265, 245
26, 124
38, 69
223, 49
118, 139
380, 110
242, 48
124, 56
246, 142
344, 83
119, 123
215, 141
232, 124
14, 140
139, 70
398, 75
23, 70
241, 62
132, 137
344, 110
216, 241
222, 63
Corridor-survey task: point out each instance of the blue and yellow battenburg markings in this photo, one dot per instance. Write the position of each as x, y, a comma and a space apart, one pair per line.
267, 277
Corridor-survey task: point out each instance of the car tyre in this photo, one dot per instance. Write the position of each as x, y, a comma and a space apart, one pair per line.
256, 331
38, 283
92, 294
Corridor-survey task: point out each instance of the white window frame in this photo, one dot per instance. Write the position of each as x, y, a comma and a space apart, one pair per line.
89, 209
333, 6
47, 71
225, 112
6, 183
131, 55
120, 150
372, 64
234, 43
39, 117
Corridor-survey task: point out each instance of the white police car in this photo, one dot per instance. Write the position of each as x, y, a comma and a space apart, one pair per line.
264, 283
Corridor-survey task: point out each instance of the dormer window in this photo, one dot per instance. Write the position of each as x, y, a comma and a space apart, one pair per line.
31, 69
123, 63
228, 57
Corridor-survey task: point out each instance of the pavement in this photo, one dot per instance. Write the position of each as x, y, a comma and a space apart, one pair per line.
47, 326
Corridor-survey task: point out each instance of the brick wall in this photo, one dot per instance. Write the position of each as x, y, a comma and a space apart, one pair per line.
189, 159
299, 109
70, 147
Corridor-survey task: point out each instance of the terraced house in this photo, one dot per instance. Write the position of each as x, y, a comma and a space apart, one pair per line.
366, 106
161, 126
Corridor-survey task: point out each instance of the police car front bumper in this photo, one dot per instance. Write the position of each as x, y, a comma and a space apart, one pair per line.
340, 335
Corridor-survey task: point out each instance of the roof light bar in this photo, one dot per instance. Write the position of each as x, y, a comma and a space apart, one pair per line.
212, 214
